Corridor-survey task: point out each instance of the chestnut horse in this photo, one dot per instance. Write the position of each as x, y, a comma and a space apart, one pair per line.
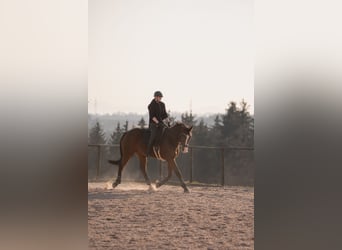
172, 140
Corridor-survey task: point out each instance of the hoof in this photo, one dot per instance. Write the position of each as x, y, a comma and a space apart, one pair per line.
186, 190
114, 184
152, 188
157, 184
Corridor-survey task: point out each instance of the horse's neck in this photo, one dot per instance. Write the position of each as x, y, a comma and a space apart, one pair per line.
172, 135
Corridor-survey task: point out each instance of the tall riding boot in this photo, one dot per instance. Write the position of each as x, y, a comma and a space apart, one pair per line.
153, 129
149, 147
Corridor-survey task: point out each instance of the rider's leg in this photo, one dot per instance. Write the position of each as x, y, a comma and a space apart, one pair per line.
154, 130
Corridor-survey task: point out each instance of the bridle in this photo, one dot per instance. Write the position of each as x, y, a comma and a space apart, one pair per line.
184, 140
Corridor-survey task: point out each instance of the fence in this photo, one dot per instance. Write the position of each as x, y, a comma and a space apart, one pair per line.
218, 160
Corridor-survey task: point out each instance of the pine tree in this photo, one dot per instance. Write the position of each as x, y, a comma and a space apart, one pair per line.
217, 122
238, 125
231, 120
238, 130
125, 127
116, 135
216, 137
200, 134
189, 119
142, 123
96, 135
114, 139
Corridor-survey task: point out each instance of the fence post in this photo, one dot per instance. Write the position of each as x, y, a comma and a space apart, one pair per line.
222, 168
98, 161
160, 169
190, 178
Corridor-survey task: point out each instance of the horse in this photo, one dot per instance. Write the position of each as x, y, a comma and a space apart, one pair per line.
173, 140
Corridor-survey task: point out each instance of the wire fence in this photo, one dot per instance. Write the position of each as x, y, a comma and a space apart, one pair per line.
202, 164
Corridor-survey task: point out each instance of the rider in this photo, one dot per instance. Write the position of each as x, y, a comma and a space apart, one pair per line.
157, 113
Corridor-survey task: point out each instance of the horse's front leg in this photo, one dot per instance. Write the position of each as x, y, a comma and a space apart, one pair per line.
179, 175
169, 174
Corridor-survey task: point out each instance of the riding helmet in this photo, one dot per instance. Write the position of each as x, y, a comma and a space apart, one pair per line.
158, 93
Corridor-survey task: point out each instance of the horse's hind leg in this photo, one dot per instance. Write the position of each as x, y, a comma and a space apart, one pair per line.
180, 177
143, 165
118, 178
122, 164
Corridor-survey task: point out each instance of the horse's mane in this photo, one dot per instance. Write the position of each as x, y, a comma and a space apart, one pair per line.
178, 123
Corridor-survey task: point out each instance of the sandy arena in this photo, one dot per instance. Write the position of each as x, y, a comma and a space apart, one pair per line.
133, 217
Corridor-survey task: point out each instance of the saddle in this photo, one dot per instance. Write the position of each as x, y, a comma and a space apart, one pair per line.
157, 140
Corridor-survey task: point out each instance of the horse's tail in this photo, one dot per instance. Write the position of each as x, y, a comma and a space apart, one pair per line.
117, 162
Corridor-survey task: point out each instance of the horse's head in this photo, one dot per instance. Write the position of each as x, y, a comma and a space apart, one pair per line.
184, 136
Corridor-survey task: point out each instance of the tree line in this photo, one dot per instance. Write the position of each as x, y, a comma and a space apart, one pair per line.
234, 128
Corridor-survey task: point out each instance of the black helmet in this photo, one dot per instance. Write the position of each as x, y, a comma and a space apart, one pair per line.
158, 93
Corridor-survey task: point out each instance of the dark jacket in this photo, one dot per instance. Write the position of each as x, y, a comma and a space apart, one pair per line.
157, 109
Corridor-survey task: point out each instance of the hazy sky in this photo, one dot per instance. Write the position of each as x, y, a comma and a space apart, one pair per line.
198, 53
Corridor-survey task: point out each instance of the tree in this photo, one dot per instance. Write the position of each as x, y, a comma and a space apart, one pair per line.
116, 135
237, 124
215, 137
238, 130
230, 120
200, 134
125, 127
142, 123
189, 119
114, 139
96, 135
217, 122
